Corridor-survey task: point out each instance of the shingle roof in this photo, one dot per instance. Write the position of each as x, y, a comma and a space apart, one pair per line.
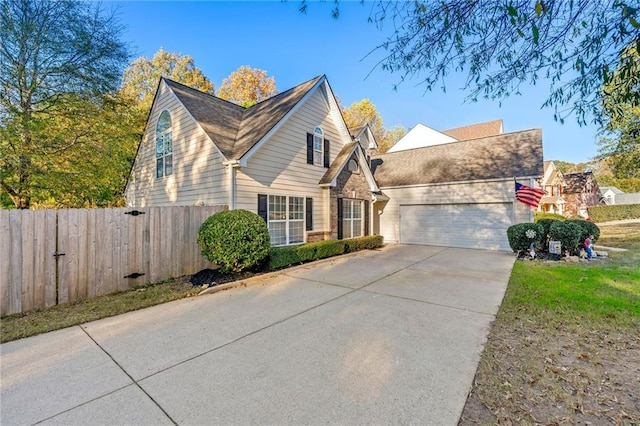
575, 182
337, 164
613, 189
232, 128
355, 131
475, 131
628, 198
517, 154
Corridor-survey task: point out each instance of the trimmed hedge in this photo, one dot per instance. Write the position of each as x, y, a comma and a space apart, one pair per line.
568, 233
281, 257
546, 224
615, 212
521, 235
538, 216
235, 240
587, 228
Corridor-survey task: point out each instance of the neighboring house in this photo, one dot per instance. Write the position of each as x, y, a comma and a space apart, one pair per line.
612, 195
552, 182
609, 194
421, 136
580, 191
459, 194
292, 160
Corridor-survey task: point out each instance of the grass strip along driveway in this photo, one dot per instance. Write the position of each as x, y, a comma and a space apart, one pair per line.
565, 346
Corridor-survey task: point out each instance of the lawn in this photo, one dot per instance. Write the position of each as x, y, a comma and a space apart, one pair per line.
565, 346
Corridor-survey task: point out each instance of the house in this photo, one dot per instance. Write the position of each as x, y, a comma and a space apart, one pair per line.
552, 182
612, 195
292, 160
421, 136
459, 194
580, 191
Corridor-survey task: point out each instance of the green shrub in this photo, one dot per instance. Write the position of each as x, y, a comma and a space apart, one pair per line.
281, 257
568, 233
521, 236
546, 224
235, 240
587, 228
616, 212
538, 216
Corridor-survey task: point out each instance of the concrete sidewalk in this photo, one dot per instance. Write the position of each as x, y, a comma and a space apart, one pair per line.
391, 336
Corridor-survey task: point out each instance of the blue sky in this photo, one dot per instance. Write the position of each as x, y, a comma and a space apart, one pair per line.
295, 47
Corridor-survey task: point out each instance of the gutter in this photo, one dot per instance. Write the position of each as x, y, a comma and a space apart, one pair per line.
232, 165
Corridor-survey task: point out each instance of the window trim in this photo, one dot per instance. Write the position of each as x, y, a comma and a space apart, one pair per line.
287, 219
161, 136
347, 222
318, 133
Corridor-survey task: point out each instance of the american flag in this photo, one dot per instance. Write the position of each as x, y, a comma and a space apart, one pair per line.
529, 196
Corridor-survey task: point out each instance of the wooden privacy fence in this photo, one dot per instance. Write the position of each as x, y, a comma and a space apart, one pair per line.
56, 256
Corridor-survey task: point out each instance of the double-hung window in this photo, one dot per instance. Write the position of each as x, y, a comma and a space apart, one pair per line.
318, 143
286, 220
164, 145
351, 218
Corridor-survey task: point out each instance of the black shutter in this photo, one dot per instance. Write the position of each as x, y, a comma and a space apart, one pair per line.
309, 148
326, 153
340, 233
262, 206
308, 215
366, 218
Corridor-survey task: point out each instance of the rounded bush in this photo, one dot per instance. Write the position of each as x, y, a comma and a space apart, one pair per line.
588, 228
235, 240
538, 216
521, 236
568, 233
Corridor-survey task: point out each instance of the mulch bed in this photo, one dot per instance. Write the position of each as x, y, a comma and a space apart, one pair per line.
213, 277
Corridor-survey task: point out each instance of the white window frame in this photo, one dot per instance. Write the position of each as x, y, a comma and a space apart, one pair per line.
348, 219
290, 217
318, 146
164, 147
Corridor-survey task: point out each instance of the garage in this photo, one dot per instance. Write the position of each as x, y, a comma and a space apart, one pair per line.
466, 225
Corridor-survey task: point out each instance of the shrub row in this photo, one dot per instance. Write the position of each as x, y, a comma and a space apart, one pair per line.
538, 216
571, 234
281, 257
616, 212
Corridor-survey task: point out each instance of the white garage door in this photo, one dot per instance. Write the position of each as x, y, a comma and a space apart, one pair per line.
457, 225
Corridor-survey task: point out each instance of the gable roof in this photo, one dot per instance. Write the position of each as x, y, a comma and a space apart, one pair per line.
508, 155
613, 189
338, 164
576, 182
476, 131
235, 129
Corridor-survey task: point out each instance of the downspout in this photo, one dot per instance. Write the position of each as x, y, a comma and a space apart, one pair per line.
231, 166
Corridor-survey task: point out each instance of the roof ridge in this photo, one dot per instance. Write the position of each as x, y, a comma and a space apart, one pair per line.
283, 93
462, 141
203, 93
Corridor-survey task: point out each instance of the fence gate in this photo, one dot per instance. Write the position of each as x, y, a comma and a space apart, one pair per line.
56, 256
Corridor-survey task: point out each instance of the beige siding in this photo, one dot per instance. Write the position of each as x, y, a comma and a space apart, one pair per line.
280, 166
478, 192
198, 178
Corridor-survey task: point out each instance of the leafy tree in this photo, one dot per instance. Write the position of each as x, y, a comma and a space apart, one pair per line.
247, 86
365, 112
620, 139
57, 60
502, 44
140, 79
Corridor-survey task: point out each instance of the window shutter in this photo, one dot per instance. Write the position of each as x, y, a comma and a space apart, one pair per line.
262, 206
326, 153
309, 148
308, 215
340, 233
366, 217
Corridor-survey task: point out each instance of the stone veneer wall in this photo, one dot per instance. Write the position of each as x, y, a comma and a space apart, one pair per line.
348, 185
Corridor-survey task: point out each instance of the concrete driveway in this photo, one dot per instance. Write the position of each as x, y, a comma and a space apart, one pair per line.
391, 336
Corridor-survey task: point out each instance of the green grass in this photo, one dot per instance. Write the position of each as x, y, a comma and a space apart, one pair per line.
17, 326
599, 289
620, 236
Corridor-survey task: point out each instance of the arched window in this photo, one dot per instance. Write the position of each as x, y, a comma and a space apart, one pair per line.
164, 145
318, 143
